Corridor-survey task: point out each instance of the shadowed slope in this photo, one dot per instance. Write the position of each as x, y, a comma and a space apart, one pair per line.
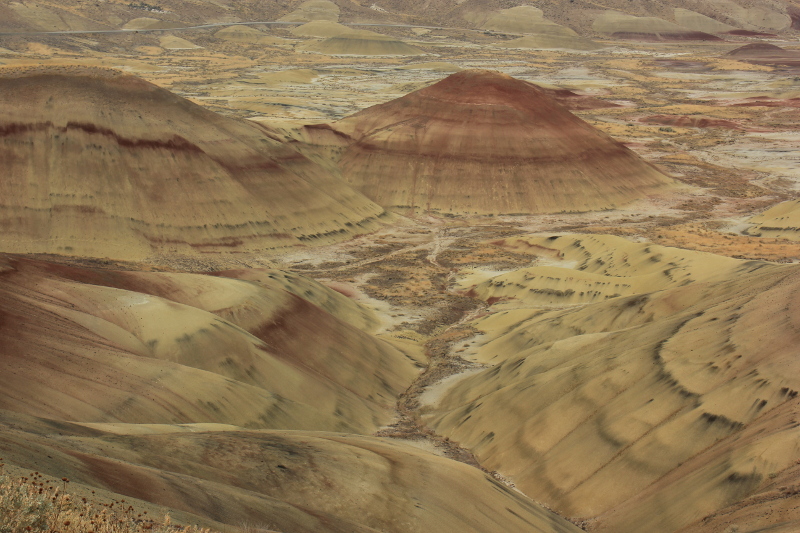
102, 346
645, 413
98, 163
289, 481
483, 142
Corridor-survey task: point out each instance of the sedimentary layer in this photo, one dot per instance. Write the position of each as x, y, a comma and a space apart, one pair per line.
483, 142
99, 163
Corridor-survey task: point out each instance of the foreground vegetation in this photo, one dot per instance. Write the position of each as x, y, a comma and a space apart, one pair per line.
33, 504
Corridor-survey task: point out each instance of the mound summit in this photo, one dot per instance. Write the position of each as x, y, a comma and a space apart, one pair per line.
104, 164
483, 142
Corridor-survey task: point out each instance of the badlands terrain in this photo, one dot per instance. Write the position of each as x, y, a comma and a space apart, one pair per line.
405, 266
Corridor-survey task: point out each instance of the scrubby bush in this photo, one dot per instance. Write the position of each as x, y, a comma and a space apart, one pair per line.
33, 504
146, 6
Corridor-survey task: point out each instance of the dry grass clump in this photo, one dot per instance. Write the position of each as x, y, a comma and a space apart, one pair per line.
32, 504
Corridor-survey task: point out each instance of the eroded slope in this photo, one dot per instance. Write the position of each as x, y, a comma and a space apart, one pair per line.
645, 412
98, 163
484, 142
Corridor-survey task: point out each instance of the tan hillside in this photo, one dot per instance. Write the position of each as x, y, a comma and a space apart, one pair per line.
281, 480
320, 28
698, 22
484, 142
580, 15
100, 163
523, 19
624, 26
781, 221
361, 43
149, 23
171, 42
769, 16
542, 33
37, 16
686, 394
580, 269
113, 346
246, 34
313, 10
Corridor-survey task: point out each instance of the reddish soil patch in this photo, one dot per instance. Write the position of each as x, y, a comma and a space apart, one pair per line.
748, 33
665, 36
342, 290
768, 102
794, 14
578, 102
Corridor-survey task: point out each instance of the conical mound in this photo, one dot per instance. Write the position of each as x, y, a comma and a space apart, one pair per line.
483, 142
781, 221
320, 28
758, 50
102, 164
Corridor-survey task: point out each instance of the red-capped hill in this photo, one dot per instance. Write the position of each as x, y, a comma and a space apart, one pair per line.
758, 50
484, 142
99, 163
766, 54
482, 87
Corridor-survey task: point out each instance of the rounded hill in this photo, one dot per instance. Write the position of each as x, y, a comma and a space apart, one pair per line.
100, 163
483, 142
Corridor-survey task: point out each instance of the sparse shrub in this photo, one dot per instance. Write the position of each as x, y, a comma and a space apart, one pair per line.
31, 504
145, 6
22, 506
